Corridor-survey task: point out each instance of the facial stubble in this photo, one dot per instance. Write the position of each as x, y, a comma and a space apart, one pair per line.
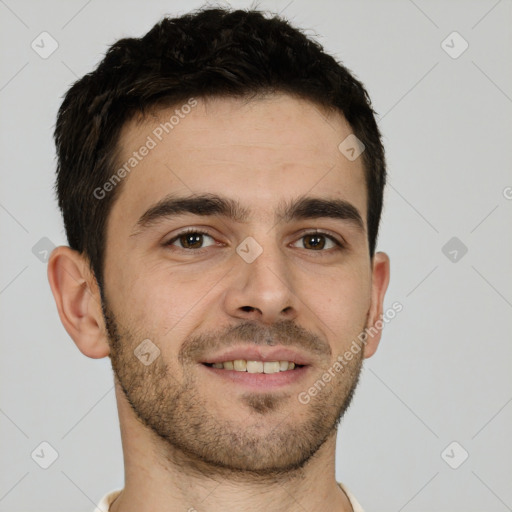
188, 432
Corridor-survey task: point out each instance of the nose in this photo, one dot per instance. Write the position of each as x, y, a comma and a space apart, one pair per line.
263, 289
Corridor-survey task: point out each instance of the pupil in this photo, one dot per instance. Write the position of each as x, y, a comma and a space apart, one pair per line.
317, 243
192, 239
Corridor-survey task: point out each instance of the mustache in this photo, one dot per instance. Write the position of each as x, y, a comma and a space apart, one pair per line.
285, 333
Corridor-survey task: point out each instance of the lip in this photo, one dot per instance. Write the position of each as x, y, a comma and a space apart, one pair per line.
259, 381
257, 353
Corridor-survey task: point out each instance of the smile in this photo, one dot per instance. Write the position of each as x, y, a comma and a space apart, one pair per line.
258, 375
241, 365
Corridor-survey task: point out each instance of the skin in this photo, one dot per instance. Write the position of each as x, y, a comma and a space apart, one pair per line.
191, 440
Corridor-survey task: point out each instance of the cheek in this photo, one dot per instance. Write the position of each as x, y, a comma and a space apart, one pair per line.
158, 300
342, 304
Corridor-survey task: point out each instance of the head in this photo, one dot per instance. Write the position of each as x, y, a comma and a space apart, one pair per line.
227, 124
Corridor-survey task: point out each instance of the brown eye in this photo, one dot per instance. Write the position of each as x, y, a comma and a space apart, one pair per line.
314, 242
317, 242
190, 240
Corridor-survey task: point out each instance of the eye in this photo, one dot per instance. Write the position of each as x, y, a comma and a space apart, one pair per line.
190, 239
317, 241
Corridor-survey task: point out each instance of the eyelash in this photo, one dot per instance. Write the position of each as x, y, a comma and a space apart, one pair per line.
339, 245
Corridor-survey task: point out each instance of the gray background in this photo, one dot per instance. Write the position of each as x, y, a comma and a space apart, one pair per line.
443, 370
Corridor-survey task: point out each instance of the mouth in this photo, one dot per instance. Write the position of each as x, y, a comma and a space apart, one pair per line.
258, 368
266, 367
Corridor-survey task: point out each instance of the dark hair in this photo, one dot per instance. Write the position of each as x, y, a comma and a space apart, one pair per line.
211, 52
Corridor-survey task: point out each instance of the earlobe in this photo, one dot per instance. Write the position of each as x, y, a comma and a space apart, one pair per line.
380, 281
78, 301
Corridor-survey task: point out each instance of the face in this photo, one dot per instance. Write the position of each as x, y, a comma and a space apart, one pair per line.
272, 280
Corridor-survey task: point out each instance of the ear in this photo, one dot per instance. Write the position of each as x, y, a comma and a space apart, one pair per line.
78, 300
380, 281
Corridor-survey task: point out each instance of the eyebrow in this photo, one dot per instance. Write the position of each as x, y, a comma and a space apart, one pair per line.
205, 205
315, 208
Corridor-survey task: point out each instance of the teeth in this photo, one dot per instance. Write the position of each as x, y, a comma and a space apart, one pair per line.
283, 365
254, 367
228, 365
241, 365
271, 367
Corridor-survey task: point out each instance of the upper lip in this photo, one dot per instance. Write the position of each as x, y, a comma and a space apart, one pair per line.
258, 353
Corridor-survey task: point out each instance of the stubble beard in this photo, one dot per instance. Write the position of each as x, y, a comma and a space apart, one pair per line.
191, 436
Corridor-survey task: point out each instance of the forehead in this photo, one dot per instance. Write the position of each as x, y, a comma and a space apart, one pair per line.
261, 152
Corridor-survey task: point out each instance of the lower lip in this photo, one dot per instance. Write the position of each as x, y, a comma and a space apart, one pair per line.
260, 380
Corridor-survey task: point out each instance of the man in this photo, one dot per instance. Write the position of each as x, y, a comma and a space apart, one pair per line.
221, 183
